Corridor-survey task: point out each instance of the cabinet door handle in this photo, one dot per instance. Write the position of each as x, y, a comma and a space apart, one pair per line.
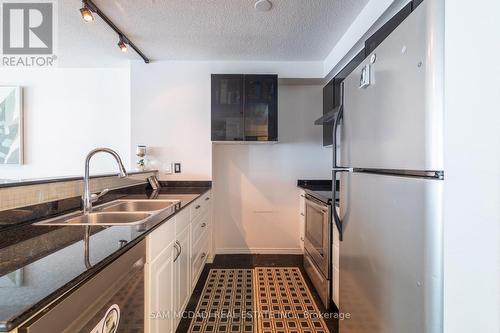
197, 207
302, 214
176, 251
207, 198
203, 255
203, 225
180, 247
302, 239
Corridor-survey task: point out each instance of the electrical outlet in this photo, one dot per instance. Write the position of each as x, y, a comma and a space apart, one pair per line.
177, 168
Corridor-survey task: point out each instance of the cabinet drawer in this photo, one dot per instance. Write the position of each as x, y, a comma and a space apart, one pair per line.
198, 247
159, 239
200, 227
200, 205
200, 254
181, 221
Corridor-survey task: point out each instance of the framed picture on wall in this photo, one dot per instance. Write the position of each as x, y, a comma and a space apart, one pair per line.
11, 125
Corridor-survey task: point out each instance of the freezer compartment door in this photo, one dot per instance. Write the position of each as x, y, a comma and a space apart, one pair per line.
391, 254
390, 120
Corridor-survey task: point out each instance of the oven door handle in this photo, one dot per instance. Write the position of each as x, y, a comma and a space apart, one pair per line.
316, 203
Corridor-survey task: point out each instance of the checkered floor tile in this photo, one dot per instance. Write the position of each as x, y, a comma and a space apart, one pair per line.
263, 300
226, 303
284, 303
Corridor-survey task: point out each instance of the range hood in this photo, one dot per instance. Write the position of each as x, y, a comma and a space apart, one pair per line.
329, 117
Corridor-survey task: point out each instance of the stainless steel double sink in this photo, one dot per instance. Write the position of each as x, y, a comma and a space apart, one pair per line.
118, 212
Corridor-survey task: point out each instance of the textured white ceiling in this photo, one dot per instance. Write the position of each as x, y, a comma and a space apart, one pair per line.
294, 30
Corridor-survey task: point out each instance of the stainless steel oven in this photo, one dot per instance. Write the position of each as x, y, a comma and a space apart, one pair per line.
317, 245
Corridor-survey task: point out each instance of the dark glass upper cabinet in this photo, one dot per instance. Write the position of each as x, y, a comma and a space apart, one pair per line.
227, 108
244, 107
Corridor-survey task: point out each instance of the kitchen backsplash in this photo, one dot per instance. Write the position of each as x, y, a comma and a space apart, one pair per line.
27, 195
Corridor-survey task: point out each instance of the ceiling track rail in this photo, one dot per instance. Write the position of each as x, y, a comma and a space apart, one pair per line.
92, 7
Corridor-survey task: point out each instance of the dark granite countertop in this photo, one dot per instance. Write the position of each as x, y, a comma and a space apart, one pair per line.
38, 264
315, 185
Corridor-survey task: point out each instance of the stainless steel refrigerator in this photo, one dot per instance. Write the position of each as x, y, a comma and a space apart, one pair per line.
389, 160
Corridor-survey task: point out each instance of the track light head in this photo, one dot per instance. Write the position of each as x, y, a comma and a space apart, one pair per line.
122, 44
86, 13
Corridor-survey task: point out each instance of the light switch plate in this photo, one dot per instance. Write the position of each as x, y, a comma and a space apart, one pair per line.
167, 168
177, 167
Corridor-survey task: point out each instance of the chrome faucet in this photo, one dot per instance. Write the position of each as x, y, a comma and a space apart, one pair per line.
88, 198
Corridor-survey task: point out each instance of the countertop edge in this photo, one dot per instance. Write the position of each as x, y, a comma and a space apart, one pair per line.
49, 180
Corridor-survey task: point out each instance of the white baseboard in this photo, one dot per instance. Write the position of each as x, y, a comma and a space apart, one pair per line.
210, 259
259, 251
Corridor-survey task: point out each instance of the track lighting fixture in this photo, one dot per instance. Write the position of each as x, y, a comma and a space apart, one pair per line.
89, 9
86, 13
122, 44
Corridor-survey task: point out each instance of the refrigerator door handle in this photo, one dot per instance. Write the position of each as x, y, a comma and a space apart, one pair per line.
336, 124
336, 217
336, 168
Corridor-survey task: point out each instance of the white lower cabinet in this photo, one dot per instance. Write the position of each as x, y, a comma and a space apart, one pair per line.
174, 260
182, 280
160, 305
198, 258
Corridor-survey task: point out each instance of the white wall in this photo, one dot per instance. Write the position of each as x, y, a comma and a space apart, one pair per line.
255, 185
255, 194
171, 109
472, 167
68, 112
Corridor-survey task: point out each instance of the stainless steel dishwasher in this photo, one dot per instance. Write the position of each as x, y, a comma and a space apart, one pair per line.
111, 301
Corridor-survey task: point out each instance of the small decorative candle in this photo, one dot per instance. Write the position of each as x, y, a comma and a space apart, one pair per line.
140, 151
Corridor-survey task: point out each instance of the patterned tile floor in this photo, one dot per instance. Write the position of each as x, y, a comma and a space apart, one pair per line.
264, 300
253, 261
284, 303
226, 303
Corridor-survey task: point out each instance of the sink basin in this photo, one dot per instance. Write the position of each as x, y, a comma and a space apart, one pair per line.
136, 205
101, 218
109, 218
118, 212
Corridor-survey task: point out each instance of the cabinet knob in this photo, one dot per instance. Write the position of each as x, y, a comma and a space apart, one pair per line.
302, 214
197, 207
207, 198
301, 239
203, 255
203, 225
